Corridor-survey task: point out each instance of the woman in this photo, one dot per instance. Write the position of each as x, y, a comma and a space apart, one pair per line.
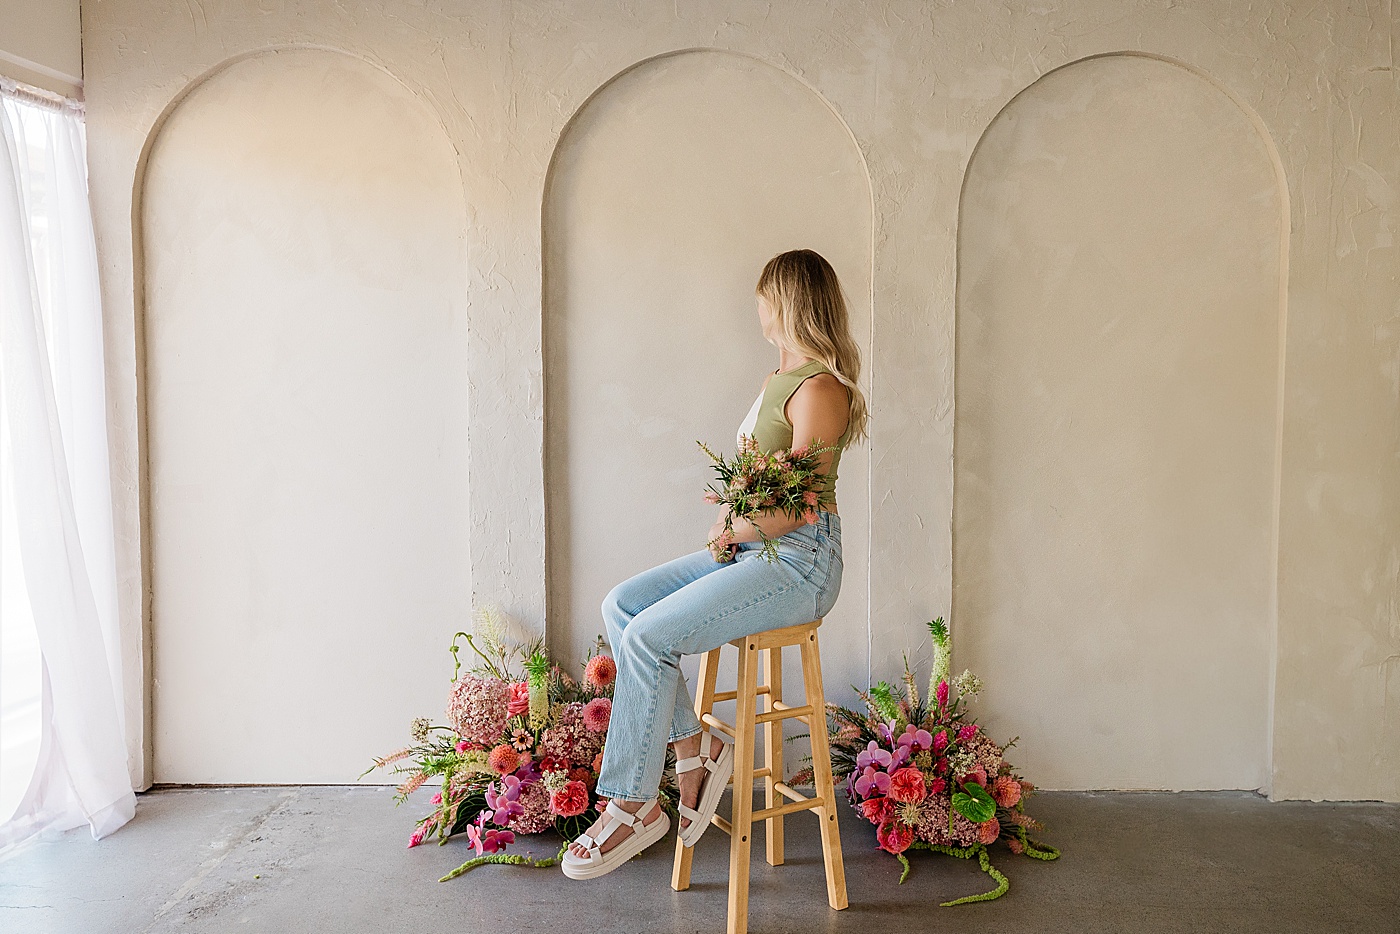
698, 602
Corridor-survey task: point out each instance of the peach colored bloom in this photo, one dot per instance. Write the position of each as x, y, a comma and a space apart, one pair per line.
570, 801
988, 831
504, 759
601, 671
907, 785
519, 699
1006, 791
810, 515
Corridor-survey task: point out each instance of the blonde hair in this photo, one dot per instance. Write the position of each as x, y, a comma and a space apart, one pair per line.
806, 298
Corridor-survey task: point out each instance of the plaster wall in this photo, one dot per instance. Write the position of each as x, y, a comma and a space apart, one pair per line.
917, 85
307, 403
668, 192
1115, 443
41, 44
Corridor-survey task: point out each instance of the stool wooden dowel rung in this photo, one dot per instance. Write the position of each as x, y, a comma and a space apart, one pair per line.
784, 713
765, 649
805, 804
721, 696
710, 719
787, 791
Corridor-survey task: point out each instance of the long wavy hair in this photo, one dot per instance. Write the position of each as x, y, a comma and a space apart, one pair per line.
806, 298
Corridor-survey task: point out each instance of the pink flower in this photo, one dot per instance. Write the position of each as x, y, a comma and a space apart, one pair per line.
894, 837
463, 745
476, 708
598, 762
418, 836
596, 714
810, 515
519, 701
487, 841
571, 800
942, 692
966, 732
601, 671
437, 797
712, 497
937, 786
977, 776
1006, 791
988, 831
810, 497
940, 743
872, 782
907, 785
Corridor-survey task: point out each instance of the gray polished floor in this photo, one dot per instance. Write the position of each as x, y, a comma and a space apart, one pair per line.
334, 859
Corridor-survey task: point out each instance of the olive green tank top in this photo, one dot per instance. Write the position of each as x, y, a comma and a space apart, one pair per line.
767, 423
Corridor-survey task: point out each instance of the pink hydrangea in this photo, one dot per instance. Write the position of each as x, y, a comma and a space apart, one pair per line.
478, 708
569, 739
535, 815
933, 823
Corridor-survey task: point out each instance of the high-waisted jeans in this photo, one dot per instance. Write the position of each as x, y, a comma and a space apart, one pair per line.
691, 605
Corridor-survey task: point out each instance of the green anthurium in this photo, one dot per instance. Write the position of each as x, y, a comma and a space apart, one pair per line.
974, 803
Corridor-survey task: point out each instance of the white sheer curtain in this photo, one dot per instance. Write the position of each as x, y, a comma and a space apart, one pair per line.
57, 566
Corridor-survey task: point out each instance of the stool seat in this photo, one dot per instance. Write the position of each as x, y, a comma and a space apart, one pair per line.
764, 649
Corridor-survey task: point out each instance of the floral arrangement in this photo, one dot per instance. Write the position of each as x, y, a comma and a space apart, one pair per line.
923, 772
521, 751
754, 482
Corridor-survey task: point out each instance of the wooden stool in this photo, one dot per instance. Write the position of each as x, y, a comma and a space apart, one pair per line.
742, 815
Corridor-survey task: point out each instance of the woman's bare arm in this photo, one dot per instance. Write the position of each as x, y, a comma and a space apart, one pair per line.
818, 411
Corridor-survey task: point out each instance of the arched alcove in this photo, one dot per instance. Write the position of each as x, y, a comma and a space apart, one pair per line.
668, 191
301, 228
1118, 352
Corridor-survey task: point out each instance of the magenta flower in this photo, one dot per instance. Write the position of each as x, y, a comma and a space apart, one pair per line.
943, 694
918, 739
872, 781
504, 804
873, 755
967, 732
940, 742
488, 841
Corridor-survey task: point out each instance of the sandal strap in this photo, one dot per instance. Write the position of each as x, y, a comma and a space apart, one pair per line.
690, 763
688, 813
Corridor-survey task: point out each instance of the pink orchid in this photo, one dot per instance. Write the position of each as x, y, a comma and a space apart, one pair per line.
873, 755
488, 841
872, 781
504, 803
918, 739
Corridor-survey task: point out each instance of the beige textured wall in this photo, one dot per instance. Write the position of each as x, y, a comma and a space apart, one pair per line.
1114, 449
917, 85
306, 400
668, 193
41, 44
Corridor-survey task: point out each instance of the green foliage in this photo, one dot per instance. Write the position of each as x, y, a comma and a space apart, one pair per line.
975, 803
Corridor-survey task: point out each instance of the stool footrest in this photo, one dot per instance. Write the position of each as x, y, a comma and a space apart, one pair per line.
732, 695
806, 804
787, 791
710, 719
784, 712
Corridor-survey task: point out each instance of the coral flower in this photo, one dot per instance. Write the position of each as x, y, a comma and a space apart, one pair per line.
601, 671
988, 831
596, 714
1006, 791
570, 801
598, 762
503, 759
894, 837
518, 701
810, 516
810, 497
907, 786
878, 810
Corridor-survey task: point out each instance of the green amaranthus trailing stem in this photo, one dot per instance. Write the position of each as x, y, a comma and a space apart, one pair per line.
963, 852
511, 859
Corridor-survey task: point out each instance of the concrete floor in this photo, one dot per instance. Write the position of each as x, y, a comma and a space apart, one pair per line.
334, 859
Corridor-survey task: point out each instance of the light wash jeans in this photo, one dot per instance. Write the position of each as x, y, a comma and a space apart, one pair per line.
691, 605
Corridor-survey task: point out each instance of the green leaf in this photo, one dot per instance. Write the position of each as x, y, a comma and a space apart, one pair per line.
974, 803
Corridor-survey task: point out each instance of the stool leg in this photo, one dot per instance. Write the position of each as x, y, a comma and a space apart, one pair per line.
741, 818
821, 768
704, 703
773, 757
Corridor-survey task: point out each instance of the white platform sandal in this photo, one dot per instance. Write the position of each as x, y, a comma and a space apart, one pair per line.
711, 788
600, 862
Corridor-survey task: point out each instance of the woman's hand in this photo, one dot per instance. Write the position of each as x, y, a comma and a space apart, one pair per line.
725, 553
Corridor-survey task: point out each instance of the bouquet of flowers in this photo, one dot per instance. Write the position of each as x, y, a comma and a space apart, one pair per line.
926, 776
521, 752
755, 482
